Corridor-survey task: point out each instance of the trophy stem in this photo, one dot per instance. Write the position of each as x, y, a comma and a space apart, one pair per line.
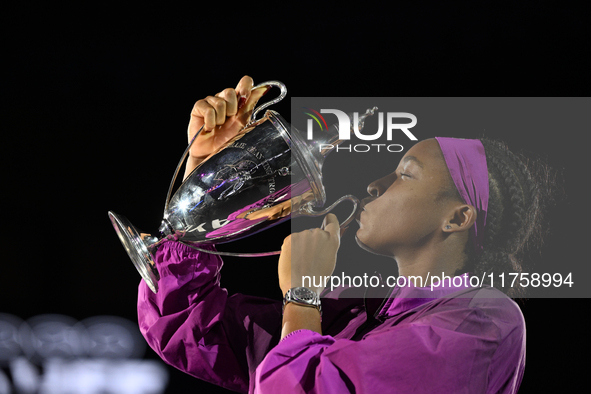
137, 246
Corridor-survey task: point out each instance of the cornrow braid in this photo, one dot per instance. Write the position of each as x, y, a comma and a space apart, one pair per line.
514, 215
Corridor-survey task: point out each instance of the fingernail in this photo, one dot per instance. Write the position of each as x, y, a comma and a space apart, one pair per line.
241, 102
266, 91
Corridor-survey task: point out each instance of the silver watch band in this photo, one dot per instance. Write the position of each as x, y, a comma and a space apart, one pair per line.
304, 297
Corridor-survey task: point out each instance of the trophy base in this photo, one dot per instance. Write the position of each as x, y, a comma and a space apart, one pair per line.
136, 249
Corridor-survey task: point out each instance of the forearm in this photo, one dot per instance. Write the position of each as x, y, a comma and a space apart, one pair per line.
195, 326
189, 323
297, 317
314, 257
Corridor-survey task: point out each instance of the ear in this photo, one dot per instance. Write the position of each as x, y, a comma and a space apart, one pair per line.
462, 218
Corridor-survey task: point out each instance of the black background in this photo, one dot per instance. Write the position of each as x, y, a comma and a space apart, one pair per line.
96, 101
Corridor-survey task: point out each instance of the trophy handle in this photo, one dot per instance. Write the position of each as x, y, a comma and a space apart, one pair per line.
307, 209
281, 96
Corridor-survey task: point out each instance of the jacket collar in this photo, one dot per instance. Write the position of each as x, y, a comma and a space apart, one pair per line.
407, 297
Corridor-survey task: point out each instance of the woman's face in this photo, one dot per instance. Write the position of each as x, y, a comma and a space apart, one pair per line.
408, 206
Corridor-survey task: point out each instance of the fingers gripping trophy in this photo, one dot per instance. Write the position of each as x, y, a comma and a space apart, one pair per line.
243, 175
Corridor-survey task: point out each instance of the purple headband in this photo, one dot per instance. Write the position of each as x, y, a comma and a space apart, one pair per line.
466, 161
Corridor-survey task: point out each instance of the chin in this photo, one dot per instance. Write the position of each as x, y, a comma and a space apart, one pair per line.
369, 249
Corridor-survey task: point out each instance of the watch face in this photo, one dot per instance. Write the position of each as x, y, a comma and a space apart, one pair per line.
304, 294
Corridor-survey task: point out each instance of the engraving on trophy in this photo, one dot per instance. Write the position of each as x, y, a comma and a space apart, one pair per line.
234, 174
242, 178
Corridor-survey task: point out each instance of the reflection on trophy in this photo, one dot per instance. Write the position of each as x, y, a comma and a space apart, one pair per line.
265, 175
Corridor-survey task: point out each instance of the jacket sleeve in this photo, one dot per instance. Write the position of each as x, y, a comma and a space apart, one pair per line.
454, 351
196, 327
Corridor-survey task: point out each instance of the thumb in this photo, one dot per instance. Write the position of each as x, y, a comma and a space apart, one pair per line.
331, 224
243, 90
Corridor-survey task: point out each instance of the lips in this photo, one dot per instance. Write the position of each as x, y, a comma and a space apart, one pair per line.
364, 202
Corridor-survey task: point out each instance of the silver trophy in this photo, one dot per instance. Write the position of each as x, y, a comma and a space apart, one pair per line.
265, 175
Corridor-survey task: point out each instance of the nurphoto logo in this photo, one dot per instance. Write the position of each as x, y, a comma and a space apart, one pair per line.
344, 129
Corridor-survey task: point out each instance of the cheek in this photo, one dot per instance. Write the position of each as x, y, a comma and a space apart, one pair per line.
380, 224
403, 220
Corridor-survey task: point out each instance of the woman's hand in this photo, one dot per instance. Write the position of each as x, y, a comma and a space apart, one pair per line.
223, 115
310, 253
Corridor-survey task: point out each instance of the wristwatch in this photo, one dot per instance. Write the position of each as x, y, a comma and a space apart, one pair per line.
302, 296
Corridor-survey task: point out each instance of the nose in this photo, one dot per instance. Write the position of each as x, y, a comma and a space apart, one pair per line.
379, 186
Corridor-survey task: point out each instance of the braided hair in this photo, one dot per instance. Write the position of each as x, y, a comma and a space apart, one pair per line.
518, 193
